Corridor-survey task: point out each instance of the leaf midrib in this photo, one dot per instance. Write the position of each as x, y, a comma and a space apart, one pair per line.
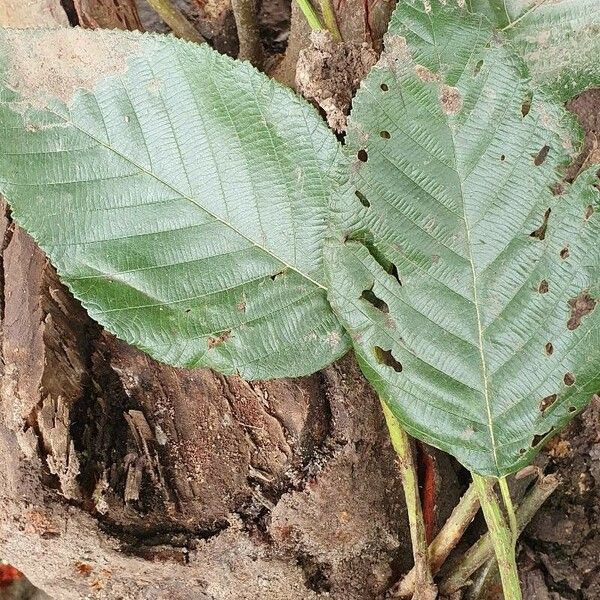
484, 368
192, 200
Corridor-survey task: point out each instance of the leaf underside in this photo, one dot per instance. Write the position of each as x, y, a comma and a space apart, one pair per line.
559, 39
182, 196
466, 277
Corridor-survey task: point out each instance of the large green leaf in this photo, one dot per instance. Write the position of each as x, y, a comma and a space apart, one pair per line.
182, 196
559, 39
467, 282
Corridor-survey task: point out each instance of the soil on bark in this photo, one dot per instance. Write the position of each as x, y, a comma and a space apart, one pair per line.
122, 478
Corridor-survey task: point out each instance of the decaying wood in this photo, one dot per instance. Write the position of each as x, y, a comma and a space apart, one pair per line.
108, 14
329, 72
190, 481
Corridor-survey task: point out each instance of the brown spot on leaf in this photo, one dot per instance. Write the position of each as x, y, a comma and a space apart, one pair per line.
569, 379
581, 306
549, 348
397, 46
541, 156
589, 211
424, 74
543, 287
217, 341
450, 99
47, 64
362, 198
564, 253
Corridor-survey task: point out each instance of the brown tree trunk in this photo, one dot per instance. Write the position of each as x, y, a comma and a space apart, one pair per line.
125, 478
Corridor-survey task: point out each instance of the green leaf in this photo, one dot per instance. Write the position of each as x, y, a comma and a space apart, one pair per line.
467, 282
182, 196
559, 39
500, 12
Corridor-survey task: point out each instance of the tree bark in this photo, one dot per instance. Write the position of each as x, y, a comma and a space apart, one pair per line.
125, 478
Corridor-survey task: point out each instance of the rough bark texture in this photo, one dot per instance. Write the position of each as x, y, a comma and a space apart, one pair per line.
108, 14
125, 478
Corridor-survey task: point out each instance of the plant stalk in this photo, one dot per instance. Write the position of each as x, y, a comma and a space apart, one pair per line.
501, 537
483, 549
510, 509
330, 20
176, 20
245, 13
444, 542
425, 589
310, 14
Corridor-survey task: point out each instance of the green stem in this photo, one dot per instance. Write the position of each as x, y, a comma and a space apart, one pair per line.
176, 20
310, 14
245, 13
424, 587
502, 538
482, 550
330, 20
510, 509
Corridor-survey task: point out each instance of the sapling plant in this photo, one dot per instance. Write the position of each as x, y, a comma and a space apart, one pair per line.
207, 215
